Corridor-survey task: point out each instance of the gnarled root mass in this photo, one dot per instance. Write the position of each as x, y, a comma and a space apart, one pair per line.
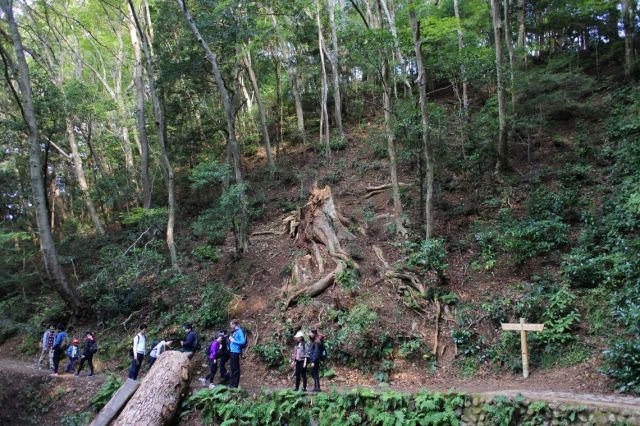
320, 229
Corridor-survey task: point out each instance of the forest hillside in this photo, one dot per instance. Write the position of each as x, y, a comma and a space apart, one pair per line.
402, 175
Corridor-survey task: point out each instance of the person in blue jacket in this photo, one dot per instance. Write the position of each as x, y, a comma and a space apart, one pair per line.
59, 347
237, 341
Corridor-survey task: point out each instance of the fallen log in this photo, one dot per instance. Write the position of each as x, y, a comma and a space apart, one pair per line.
157, 399
115, 404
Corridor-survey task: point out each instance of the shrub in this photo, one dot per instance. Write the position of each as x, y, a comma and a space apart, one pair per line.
349, 277
427, 255
529, 238
270, 353
214, 310
205, 253
104, 394
413, 348
622, 364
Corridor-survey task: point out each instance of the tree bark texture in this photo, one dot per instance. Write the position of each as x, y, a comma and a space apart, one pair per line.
140, 116
319, 222
158, 112
246, 59
242, 234
521, 28
463, 73
334, 60
628, 19
424, 112
47, 244
158, 397
501, 148
391, 149
82, 181
509, 42
324, 114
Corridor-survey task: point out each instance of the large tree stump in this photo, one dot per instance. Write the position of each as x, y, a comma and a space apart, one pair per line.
319, 227
156, 400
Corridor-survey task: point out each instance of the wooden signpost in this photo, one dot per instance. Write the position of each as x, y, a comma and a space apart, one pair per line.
523, 328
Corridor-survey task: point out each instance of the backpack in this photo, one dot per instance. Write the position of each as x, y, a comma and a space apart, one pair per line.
323, 352
223, 350
197, 344
93, 348
207, 349
64, 344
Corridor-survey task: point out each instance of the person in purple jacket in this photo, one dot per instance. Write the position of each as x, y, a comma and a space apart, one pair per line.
214, 355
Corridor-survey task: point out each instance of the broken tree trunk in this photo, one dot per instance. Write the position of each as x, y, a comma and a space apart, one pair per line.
157, 399
320, 227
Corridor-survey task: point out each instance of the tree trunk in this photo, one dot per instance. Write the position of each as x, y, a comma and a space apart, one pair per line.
158, 112
628, 19
324, 114
279, 106
289, 64
463, 72
47, 244
390, 15
333, 59
140, 116
424, 110
521, 29
318, 222
509, 42
82, 181
246, 59
243, 224
391, 149
158, 397
121, 111
501, 148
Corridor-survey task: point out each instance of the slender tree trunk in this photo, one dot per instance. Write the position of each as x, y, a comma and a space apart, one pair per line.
521, 29
333, 59
463, 73
158, 112
246, 59
140, 115
242, 244
424, 112
121, 110
391, 149
279, 106
47, 244
248, 98
82, 181
628, 19
289, 65
390, 15
324, 115
509, 42
501, 148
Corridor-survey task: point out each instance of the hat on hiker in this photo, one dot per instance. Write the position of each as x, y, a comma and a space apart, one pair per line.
299, 334
75, 341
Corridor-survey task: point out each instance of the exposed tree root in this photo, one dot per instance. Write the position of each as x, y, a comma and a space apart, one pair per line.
318, 223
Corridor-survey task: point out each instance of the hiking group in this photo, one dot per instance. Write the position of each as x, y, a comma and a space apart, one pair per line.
56, 343
224, 349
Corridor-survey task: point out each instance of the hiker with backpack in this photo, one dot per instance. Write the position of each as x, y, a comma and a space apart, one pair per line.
237, 342
191, 343
60, 344
300, 358
138, 351
88, 351
47, 346
222, 356
73, 353
317, 354
213, 357
157, 349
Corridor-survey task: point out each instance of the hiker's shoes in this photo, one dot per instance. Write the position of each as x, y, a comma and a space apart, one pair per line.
211, 386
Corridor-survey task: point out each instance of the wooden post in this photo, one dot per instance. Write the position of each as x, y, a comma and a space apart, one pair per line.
523, 328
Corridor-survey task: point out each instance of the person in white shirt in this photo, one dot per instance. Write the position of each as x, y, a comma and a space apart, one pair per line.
162, 346
138, 351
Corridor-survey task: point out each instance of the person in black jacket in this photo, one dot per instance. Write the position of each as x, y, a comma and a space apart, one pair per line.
89, 349
315, 356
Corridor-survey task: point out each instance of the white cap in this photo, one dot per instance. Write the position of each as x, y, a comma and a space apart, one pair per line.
299, 334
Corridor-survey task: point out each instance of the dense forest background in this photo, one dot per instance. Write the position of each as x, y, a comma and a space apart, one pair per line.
482, 158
